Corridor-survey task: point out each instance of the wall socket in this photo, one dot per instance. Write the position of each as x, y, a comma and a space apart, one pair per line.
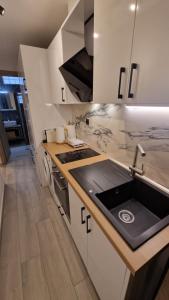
87, 121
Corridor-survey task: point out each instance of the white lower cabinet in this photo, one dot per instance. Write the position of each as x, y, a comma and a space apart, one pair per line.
78, 226
105, 267
107, 271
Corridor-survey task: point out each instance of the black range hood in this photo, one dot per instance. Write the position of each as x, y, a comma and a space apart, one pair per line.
78, 74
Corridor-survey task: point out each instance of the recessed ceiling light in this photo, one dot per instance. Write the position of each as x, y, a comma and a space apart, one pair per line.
3, 92
48, 104
2, 10
95, 35
133, 7
148, 108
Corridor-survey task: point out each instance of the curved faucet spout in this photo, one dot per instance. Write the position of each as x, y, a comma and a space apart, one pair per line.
133, 168
141, 150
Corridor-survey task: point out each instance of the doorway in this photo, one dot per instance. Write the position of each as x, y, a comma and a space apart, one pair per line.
12, 113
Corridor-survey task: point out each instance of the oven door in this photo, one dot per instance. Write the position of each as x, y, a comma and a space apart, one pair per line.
61, 191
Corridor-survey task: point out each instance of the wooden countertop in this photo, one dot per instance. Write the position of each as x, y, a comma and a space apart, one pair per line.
133, 259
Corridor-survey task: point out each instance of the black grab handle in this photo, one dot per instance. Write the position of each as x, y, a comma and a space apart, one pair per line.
133, 67
62, 89
122, 70
87, 225
82, 218
59, 207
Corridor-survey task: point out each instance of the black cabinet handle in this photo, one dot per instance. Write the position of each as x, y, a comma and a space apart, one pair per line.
62, 89
122, 70
133, 67
87, 224
82, 218
59, 207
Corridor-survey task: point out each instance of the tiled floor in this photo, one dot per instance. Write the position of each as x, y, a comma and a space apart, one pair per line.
38, 258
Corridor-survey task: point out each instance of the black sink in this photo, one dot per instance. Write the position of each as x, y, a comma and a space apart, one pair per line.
137, 210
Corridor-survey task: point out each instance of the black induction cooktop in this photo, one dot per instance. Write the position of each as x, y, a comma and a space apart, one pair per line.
76, 155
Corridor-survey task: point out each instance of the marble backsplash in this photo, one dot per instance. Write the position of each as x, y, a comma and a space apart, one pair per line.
116, 130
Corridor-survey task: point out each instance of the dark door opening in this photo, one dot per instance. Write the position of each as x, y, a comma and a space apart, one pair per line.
12, 111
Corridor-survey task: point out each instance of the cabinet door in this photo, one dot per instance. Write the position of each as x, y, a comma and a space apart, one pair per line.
55, 59
73, 31
105, 267
73, 41
113, 33
150, 52
78, 230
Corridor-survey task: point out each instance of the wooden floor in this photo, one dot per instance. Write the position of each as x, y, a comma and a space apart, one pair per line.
38, 259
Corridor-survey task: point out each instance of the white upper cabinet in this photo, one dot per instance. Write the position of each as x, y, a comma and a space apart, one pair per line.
131, 48
74, 42
113, 32
150, 84
55, 60
71, 83
129, 43
73, 32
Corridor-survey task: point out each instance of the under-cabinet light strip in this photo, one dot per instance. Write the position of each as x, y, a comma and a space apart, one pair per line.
148, 108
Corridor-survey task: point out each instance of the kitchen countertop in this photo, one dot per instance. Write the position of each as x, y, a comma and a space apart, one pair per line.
133, 259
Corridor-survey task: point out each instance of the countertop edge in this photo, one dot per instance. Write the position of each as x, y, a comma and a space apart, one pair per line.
134, 260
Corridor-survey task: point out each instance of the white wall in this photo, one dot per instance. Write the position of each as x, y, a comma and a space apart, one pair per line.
43, 116
89, 30
71, 3
7, 62
35, 66
1, 194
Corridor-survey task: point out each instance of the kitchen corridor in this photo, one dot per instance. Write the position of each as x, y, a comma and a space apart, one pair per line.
38, 258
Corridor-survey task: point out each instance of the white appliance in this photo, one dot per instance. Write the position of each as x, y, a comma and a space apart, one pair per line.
60, 134
75, 143
70, 131
51, 135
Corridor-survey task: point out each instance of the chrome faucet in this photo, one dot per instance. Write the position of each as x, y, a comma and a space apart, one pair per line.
134, 168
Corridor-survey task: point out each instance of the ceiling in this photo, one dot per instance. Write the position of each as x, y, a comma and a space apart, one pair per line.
29, 22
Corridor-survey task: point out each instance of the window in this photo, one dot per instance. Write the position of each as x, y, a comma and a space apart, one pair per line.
13, 80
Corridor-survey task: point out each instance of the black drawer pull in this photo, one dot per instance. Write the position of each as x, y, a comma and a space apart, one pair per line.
87, 224
62, 89
82, 218
133, 67
59, 207
122, 70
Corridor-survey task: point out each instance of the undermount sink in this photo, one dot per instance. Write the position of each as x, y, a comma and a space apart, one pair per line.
137, 210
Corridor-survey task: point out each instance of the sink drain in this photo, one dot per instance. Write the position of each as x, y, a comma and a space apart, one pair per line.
126, 216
